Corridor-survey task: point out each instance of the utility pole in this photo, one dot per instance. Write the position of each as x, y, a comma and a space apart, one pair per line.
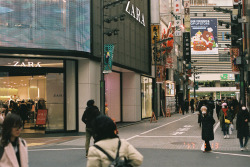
102, 81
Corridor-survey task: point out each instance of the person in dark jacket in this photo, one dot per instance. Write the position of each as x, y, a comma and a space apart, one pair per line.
192, 105
186, 103
88, 118
218, 108
207, 128
211, 106
242, 127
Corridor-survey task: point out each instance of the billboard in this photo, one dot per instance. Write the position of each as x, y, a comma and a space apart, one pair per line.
204, 36
45, 24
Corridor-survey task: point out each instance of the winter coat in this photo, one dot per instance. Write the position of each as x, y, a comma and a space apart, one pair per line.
210, 107
230, 116
89, 115
242, 126
207, 127
9, 156
96, 158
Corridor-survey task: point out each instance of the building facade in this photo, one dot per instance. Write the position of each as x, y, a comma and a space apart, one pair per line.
50, 50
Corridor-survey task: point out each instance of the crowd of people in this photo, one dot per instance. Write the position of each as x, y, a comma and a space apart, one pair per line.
226, 111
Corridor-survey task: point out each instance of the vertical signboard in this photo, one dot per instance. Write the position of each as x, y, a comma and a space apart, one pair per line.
159, 74
187, 15
234, 52
204, 36
177, 19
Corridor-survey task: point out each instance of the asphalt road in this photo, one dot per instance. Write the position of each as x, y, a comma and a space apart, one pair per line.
171, 142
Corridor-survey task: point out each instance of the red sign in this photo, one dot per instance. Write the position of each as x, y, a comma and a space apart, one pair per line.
41, 116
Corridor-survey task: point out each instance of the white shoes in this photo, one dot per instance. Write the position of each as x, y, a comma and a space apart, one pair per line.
246, 148
227, 136
241, 149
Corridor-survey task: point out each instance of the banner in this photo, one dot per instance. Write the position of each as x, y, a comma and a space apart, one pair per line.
204, 36
108, 57
159, 74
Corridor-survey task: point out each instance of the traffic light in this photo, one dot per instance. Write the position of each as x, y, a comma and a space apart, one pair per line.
186, 47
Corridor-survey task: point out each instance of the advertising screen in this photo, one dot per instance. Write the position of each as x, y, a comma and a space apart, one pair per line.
46, 24
204, 36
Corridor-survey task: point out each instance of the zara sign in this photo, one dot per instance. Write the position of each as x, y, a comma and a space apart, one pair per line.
136, 13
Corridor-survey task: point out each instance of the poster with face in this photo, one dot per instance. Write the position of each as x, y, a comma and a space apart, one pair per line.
204, 36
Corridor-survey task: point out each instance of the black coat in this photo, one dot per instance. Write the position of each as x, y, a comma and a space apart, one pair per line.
89, 116
207, 127
242, 126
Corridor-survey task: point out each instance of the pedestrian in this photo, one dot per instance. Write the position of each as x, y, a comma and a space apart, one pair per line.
186, 103
218, 108
13, 149
88, 117
107, 140
207, 128
210, 106
226, 119
192, 105
242, 127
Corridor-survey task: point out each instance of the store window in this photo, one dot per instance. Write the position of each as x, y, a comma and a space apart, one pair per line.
146, 96
30, 86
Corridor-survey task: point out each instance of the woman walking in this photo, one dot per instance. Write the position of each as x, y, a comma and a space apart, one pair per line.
13, 149
242, 127
226, 118
108, 146
207, 122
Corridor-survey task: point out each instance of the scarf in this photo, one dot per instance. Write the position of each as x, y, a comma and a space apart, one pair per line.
225, 111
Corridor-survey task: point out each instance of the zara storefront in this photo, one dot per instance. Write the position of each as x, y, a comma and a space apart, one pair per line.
50, 50
41, 42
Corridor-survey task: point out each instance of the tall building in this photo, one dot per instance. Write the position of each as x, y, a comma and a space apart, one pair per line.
211, 49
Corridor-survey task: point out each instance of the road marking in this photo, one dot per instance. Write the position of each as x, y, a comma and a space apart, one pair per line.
57, 149
240, 155
35, 144
215, 128
172, 136
164, 125
157, 128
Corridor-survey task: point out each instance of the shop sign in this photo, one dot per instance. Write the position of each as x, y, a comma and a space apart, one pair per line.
234, 52
177, 6
136, 13
26, 64
226, 77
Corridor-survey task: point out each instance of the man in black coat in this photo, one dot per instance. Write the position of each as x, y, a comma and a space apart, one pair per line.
242, 127
88, 118
211, 106
207, 128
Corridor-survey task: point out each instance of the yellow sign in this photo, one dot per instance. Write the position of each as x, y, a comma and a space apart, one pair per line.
155, 31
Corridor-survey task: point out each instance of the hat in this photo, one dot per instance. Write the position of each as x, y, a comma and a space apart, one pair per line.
224, 104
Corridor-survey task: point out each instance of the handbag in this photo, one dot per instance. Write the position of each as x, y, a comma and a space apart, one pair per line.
227, 121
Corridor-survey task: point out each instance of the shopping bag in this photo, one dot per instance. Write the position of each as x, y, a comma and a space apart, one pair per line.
231, 128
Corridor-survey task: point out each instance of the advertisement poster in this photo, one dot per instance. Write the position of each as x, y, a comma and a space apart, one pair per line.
41, 117
204, 36
108, 58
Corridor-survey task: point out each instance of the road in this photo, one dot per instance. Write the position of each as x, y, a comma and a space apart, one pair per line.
174, 141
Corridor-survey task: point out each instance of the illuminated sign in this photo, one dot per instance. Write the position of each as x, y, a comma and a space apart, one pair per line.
136, 13
28, 64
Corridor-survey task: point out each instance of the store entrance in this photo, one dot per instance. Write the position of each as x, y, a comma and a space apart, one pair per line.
29, 93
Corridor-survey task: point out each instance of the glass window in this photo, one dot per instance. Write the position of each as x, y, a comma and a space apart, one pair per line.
147, 96
55, 101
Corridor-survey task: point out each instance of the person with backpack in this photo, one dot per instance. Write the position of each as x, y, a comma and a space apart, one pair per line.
109, 150
13, 149
88, 117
